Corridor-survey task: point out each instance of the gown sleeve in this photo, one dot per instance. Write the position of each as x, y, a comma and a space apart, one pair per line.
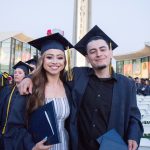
16, 126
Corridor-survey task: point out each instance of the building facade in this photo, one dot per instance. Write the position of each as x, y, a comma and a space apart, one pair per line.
136, 64
13, 49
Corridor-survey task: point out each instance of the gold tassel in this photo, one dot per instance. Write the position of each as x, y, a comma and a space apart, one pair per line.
110, 46
69, 72
110, 66
8, 110
110, 69
5, 74
2, 81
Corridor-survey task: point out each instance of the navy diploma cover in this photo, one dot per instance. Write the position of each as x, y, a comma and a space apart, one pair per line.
43, 123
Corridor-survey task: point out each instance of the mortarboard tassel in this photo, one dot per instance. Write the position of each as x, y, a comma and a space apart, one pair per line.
2, 81
8, 109
69, 72
110, 46
110, 66
5, 74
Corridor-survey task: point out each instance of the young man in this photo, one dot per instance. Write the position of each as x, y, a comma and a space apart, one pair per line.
103, 100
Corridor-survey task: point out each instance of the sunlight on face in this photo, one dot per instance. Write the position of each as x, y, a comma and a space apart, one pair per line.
98, 54
54, 61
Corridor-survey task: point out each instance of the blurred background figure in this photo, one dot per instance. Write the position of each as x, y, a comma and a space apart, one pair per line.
144, 89
10, 80
138, 84
21, 69
3, 79
32, 63
9, 105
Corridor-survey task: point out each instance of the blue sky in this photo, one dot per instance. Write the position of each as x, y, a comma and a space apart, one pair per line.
127, 22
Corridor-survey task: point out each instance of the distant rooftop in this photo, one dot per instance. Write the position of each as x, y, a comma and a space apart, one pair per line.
147, 43
136, 54
19, 36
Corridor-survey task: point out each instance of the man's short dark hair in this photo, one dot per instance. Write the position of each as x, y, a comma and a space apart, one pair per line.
94, 38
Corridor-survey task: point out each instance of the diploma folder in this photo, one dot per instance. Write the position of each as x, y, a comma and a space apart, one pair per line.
111, 140
43, 123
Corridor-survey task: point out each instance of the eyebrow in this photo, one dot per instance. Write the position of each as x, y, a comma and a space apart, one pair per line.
92, 49
53, 55
96, 48
102, 47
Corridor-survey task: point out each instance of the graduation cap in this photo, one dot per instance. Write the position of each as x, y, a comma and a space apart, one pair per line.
23, 66
53, 41
32, 61
94, 32
111, 140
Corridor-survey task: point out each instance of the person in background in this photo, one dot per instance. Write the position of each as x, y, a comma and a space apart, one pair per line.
3, 79
145, 88
138, 84
10, 79
8, 107
33, 63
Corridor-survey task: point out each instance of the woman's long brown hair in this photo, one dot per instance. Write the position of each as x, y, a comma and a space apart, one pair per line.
39, 79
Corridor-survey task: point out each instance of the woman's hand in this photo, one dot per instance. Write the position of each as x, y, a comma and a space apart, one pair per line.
40, 145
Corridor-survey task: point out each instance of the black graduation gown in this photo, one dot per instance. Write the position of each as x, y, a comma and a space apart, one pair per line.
125, 115
16, 136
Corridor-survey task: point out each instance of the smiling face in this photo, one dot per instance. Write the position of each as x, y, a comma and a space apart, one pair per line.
54, 61
19, 74
98, 54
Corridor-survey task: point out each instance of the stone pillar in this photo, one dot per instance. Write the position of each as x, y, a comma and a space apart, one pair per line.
81, 25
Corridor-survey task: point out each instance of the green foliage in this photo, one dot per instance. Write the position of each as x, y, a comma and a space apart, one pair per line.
146, 136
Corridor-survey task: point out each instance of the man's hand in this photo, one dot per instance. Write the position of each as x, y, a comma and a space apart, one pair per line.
25, 87
132, 145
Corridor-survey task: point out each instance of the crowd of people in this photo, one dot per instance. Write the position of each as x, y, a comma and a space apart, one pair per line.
88, 101
8, 79
142, 86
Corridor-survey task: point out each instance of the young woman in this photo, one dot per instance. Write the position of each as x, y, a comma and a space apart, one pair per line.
48, 84
8, 105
